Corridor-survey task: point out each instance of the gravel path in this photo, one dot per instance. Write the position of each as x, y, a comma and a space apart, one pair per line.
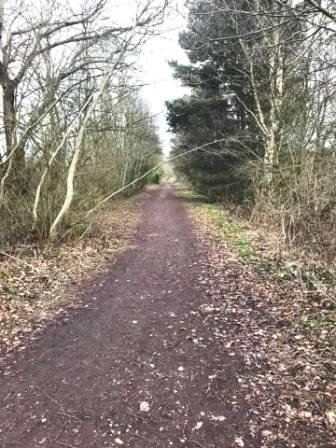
139, 366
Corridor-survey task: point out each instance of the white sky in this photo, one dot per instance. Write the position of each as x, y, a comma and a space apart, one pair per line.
156, 73
153, 67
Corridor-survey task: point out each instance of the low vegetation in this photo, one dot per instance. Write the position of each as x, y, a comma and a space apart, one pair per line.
156, 176
74, 130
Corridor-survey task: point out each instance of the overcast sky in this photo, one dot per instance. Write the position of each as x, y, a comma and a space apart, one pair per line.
153, 67
156, 73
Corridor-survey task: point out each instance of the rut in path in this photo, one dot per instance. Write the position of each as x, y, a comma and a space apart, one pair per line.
141, 341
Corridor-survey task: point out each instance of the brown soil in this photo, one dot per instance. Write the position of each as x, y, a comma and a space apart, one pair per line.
140, 365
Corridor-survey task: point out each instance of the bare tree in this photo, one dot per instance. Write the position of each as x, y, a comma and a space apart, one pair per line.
75, 38
60, 75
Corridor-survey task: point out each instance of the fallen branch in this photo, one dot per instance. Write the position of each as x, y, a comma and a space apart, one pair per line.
64, 444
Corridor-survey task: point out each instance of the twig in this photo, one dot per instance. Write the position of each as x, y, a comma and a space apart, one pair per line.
136, 415
61, 406
138, 435
69, 416
197, 443
20, 261
52, 399
148, 417
64, 444
86, 308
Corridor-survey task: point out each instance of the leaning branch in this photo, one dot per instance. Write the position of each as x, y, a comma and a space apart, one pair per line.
143, 176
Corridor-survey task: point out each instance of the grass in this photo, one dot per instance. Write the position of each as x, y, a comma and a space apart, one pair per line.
189, 195
319, 321
303, 293
229, 230
77, 230
257, 251
233, 232
244, 246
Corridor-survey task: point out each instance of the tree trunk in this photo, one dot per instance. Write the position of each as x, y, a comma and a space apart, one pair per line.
276, 102
270, 157
10, 122
89, 108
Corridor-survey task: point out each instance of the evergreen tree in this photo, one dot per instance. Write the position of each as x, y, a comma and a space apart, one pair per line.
241, 75
213, 111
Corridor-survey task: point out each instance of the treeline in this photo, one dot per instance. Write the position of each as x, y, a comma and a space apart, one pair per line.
73, 127
262, 85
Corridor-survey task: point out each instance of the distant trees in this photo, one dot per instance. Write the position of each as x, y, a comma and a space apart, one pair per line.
73, 126
262, 74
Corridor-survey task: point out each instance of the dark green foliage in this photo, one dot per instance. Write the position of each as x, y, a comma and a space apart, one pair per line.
212, 112
232, 62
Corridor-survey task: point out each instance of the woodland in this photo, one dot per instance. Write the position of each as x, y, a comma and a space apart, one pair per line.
74, 128
196, 313
262, 89
256, 129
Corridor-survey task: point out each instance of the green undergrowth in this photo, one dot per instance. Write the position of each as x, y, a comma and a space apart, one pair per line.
156, 176
247, 244
319, 321
231, 231
255, 249
187, 194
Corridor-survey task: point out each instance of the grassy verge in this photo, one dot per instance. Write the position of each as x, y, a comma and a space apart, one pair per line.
260, 253
266, 252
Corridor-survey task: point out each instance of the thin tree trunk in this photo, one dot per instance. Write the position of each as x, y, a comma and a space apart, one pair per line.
78, 145
10, 122
276, 102
45, 172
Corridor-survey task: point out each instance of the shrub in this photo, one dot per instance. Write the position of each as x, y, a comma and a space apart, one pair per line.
156, 176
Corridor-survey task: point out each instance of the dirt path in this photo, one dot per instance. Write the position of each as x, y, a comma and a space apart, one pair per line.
139, 366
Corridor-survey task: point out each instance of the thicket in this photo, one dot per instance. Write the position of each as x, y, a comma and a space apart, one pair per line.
262, 85
73, 128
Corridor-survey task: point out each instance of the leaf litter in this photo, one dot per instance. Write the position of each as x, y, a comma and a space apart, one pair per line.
285, 332
37, 288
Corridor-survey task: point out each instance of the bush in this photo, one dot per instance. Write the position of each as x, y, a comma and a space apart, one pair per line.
156, 176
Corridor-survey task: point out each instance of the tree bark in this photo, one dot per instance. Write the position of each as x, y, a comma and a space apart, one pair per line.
276, 102
10, 122
90, 105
